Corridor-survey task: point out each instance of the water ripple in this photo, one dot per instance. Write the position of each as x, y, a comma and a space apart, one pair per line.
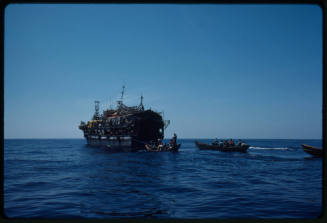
66, 179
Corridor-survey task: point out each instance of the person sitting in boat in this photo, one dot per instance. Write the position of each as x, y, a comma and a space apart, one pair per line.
221, 143
152, 143
160, 146
215, 143
159, 141
226, 144
239, 143
232, 142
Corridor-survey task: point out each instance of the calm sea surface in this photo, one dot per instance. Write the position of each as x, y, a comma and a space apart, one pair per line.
64, 178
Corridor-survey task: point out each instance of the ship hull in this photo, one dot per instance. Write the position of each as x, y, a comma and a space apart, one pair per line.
124, 129
122, 145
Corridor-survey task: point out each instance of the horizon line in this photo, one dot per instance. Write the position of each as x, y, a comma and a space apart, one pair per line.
183, 138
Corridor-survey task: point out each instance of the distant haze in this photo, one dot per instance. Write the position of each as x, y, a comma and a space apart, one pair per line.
227, 71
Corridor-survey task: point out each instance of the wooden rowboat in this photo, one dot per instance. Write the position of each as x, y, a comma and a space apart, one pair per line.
312, 150
150, 148
203, 146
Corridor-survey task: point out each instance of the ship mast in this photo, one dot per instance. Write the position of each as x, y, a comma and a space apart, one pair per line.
120, 102
141, 104
122, 93
96, 115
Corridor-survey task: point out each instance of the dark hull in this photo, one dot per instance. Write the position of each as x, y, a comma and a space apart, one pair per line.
314, 151
151, 149
129, 145
203, 146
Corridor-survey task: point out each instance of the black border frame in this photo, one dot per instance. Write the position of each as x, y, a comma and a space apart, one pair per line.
321, 3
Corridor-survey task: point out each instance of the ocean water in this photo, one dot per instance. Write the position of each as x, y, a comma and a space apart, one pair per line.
64, 178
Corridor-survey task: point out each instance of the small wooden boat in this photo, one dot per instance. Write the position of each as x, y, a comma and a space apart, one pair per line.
203, 146
150, 148
312, 150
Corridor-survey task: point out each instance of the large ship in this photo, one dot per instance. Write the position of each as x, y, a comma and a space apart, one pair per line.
126, 128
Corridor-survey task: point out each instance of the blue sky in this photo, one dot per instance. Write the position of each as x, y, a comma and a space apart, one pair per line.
240, 71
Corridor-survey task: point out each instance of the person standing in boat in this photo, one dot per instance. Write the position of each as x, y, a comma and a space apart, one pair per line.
174, 139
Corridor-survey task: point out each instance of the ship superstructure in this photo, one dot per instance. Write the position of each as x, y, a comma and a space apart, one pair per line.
124, 128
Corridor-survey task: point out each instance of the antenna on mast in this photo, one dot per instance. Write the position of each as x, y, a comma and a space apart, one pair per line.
141, 99
97, 108
122, 93
120, 102
141, 104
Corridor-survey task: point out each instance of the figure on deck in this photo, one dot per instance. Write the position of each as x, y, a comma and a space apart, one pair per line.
174, 139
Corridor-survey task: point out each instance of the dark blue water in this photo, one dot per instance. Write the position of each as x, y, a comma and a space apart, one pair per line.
66, 179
